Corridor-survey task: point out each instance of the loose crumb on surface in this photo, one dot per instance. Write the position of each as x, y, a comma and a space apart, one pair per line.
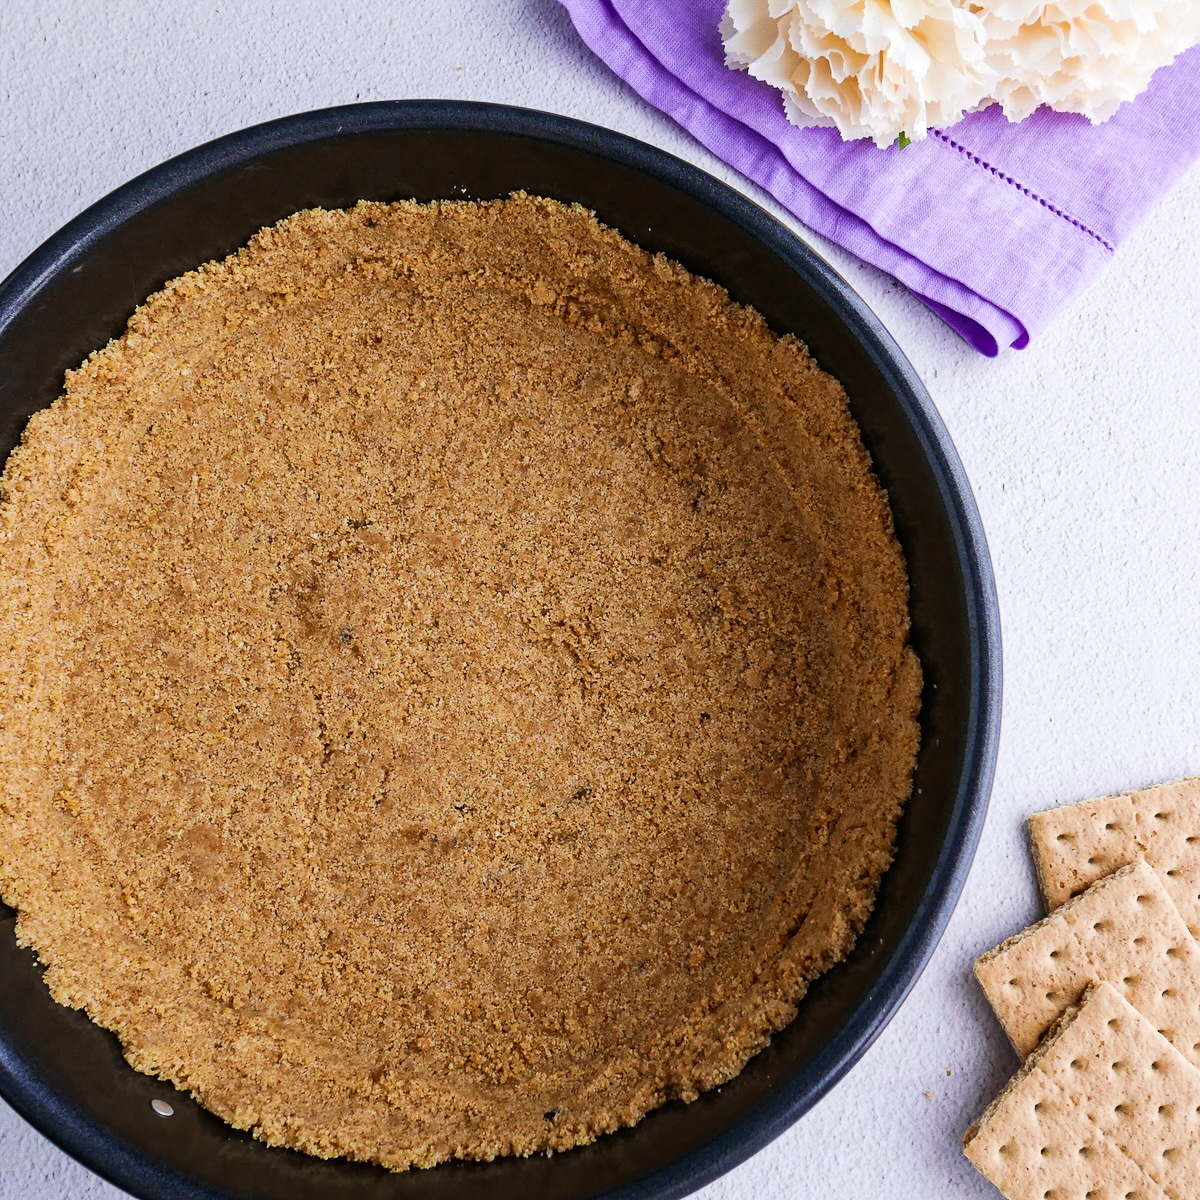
456, 690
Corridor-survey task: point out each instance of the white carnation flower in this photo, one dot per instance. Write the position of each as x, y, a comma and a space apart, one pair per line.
1082, 56
872, 68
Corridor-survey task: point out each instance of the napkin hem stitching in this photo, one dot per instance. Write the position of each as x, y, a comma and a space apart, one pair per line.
1058, 212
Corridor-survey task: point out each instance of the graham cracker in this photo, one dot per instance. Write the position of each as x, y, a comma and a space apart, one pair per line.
1123, 930
1105, 1109
1075, 845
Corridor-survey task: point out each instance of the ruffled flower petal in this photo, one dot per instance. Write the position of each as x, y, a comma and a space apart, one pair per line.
878, 68
872, 68
1082, 56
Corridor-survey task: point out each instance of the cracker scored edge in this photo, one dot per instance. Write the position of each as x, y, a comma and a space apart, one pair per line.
1091, 897
1056, 891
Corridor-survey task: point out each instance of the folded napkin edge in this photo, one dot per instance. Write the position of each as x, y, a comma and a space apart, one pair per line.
983, 324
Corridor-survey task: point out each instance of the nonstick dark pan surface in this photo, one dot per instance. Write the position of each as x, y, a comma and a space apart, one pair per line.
67, 1076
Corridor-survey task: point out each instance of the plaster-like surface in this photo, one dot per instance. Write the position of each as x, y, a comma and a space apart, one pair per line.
1084, 451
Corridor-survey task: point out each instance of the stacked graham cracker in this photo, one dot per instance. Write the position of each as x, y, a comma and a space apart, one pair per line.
1102, 998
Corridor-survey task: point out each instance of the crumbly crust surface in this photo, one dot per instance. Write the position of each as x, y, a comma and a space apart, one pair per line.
455, 691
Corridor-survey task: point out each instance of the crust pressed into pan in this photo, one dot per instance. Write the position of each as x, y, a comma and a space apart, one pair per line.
456, 690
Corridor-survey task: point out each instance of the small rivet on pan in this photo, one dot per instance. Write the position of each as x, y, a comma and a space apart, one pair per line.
162, 1108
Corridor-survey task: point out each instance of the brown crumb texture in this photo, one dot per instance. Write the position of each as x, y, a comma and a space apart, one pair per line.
1104, 1109
457, 690
1077, 844
1124, 930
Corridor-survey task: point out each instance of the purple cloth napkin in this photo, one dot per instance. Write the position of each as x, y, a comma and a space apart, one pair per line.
994, 226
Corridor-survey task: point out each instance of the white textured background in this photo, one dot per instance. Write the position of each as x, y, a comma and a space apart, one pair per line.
1084, 452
